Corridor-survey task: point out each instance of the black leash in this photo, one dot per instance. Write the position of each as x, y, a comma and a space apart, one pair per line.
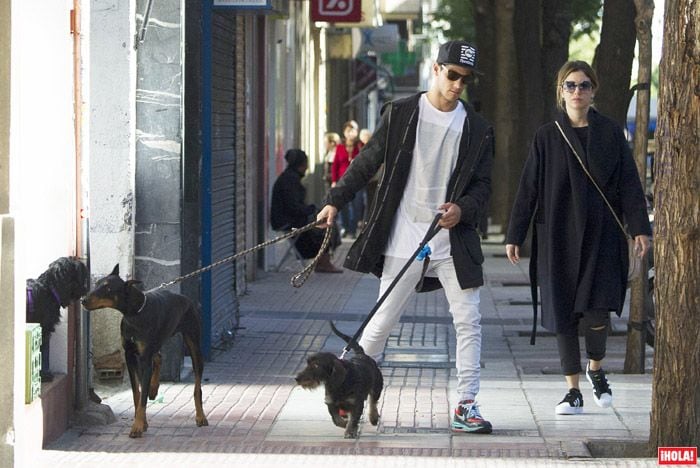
432, 230
297, 280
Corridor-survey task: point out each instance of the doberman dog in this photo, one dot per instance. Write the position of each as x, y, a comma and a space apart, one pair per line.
148, 320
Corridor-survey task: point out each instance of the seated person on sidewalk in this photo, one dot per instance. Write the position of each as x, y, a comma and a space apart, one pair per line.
289, 210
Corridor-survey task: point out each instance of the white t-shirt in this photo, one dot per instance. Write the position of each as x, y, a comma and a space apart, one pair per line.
434, 158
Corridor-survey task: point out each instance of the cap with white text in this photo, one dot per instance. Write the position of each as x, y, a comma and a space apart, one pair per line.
459, 53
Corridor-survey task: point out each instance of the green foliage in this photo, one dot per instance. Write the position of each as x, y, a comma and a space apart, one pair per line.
583, 47
455, 19
588, 14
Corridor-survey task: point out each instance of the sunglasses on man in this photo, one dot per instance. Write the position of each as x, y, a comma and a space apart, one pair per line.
570, 86
454, 76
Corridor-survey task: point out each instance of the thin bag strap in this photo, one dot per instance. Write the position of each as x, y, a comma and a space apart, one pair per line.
578, 158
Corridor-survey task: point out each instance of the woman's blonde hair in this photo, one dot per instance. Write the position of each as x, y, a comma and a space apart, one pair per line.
331, 138
568, 68
351, 124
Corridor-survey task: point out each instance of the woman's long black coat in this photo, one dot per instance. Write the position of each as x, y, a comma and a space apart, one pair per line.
579, 251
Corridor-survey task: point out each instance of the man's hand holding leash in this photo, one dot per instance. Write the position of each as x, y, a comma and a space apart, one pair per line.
329, 212
451, 214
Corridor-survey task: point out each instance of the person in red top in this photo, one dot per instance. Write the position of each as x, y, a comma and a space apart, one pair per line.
345, 152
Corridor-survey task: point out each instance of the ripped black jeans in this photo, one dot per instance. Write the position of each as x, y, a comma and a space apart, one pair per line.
595, 324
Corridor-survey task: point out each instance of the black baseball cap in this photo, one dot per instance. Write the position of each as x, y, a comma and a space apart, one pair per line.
459, 53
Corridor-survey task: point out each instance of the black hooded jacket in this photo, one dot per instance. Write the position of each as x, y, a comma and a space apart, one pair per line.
391, 149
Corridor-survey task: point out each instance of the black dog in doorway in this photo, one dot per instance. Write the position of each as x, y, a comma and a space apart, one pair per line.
64, 281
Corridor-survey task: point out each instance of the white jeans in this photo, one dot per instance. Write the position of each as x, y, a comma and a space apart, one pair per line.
464, 306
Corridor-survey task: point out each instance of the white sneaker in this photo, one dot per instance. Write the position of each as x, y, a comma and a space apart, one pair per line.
601, 390
571, 404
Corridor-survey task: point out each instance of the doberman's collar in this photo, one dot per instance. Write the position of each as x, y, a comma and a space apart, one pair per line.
142, 305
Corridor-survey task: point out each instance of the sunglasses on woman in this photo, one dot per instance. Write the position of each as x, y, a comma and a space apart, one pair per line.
454, 76
570, 86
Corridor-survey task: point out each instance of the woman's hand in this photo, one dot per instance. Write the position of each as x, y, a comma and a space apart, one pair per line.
329, 212
641, 245
513, 253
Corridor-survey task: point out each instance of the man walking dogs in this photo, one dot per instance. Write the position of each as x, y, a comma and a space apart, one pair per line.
437, 155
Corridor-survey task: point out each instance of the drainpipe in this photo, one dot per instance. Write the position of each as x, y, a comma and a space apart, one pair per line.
81, 326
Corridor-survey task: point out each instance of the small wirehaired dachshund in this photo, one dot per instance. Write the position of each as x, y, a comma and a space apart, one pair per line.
66, 280
348, 384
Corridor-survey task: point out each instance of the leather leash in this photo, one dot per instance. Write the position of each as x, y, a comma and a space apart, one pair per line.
432, 230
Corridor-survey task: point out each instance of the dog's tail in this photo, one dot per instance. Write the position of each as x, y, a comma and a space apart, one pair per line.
354, 345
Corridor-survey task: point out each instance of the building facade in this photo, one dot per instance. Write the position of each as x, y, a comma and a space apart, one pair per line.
149, 134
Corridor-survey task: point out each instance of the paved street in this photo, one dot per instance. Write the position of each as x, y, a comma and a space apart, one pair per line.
259, 417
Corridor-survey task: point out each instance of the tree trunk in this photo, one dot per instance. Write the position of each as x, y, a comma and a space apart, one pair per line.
636, 339
527, 110
483, 95
505, 121
556, 26
529, 57
675, 415
484, 92
613, 59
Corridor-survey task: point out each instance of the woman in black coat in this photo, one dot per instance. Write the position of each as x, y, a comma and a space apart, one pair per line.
579, 256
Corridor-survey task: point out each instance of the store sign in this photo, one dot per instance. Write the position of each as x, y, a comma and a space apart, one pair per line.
254, 7
336, 11
244, 4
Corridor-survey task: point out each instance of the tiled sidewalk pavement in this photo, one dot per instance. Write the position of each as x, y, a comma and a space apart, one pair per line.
254, 407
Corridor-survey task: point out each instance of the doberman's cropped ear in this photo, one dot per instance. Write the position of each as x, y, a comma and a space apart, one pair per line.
115, 272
